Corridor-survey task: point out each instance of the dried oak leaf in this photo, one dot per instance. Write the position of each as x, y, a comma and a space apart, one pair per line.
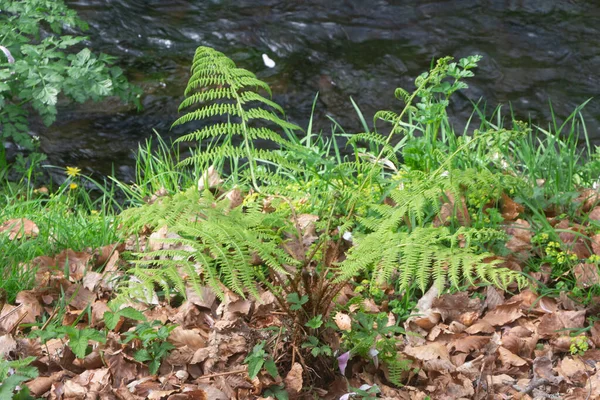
18, 228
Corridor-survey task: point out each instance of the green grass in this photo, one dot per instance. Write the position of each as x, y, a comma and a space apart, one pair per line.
67, 218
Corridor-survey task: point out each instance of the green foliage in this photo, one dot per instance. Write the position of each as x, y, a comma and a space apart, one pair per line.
39, 63
417, 250
296, 302
372, 337
66, 218
78, 338
12, 376
316, 347
154, 346
259, 358
213, 244
233, 93
111, 318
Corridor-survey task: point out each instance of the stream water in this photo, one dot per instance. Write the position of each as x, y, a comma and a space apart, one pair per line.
534, 51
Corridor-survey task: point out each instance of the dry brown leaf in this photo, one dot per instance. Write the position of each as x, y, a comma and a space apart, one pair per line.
428, 352
343, 321
192, 338
510, 208
586, 275
509, 358
551, 324
521, 234
293, 381
504, 314
76, 263
18, 228
467, 344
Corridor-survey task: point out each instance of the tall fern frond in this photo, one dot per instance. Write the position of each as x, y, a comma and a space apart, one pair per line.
218, 91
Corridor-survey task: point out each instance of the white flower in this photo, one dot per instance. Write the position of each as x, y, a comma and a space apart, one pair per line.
268, 62
347, 236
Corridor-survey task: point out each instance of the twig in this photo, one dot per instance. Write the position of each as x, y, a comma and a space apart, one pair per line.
14, 310
16, 325
237, 371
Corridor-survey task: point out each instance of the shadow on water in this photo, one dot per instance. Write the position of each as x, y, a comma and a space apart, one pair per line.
534, 50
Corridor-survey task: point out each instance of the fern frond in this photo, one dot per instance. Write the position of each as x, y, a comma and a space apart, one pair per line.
245, 115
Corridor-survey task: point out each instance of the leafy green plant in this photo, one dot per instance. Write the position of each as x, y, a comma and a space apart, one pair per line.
154, 346
316, 347
372, 337
579, 345
12, 375
112, 317
78, 338
38, 63
259, 358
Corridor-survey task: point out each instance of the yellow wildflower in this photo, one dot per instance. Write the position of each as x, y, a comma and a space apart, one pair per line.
73, 186
72, 171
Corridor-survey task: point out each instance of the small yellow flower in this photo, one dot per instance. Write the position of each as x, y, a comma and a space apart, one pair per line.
73, 186
94, 212
72, 171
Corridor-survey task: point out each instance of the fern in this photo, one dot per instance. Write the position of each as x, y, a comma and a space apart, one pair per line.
416, 250
214, 245
249, 115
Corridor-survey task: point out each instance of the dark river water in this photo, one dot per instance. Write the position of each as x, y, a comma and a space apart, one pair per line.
534, 51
